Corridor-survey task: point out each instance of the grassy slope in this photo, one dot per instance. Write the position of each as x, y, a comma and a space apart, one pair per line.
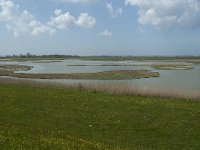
50, 118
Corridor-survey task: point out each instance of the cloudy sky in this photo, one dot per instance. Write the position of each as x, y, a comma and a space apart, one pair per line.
100, 27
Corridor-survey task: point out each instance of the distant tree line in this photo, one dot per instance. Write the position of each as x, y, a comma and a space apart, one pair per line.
28, 55
100, 58
165, 57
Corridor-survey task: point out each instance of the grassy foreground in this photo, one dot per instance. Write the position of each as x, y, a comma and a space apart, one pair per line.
57, 118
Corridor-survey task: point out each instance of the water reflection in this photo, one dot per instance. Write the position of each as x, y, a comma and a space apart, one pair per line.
169, 79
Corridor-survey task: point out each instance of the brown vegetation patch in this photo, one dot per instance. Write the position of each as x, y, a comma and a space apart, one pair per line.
106, 75
116, 89
171, 67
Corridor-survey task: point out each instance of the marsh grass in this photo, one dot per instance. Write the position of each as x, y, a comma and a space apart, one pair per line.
116, 88
125, 89
197, 62
105, 75
172, 67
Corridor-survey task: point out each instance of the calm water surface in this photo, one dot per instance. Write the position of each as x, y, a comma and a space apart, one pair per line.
169, 79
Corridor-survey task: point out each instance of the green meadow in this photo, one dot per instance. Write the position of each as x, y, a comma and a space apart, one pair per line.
35, 117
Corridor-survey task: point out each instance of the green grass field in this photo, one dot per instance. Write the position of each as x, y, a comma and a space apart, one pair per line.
55, 118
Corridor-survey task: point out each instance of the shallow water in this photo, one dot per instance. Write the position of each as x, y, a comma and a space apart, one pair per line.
169, 79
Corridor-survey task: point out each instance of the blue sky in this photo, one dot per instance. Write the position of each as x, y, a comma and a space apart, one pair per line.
100, 27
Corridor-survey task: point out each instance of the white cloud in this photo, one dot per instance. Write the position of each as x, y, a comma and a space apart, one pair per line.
106, 33
57, 12
62, 20
168, 14
86, 21
42, 29
66, 20
77, 1
21, 22
113, 12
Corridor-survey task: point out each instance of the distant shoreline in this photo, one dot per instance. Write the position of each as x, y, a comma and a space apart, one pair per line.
94, 58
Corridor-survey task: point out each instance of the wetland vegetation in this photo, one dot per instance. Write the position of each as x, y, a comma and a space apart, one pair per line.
155, 66
9, 70
171, 67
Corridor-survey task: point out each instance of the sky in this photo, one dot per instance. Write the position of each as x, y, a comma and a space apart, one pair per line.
100, 27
